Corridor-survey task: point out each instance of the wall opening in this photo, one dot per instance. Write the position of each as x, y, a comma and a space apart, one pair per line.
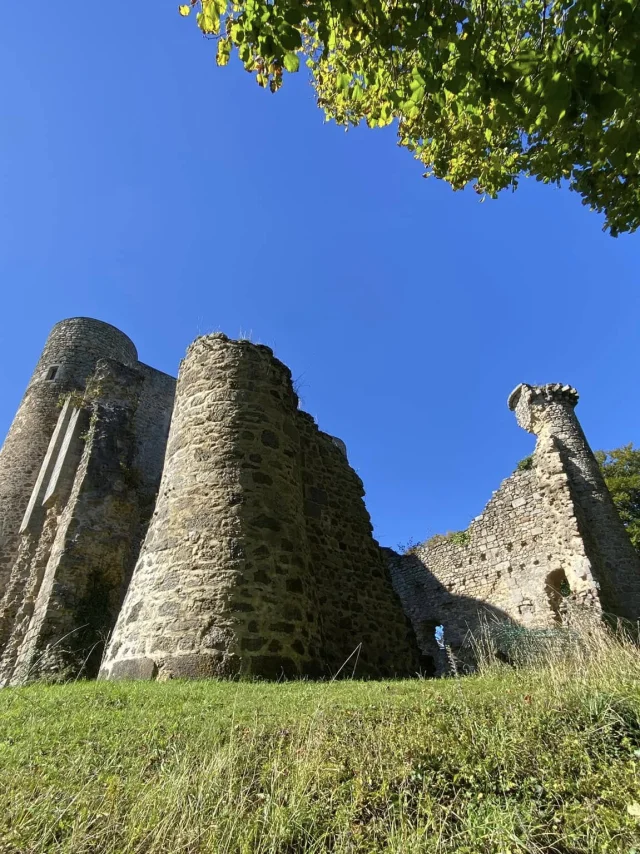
52, 373
433, 630
557, 588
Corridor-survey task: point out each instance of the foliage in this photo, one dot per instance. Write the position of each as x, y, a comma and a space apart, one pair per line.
482, 91
410, 547
525, 464
621, 470
532, 760
460, 538
75, 398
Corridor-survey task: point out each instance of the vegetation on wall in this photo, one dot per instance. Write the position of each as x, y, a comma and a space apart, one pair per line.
482, 91
621, 470
525, 464
460, 538
76, 399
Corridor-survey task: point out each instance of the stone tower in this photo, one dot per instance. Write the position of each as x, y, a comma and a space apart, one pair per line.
79, 472
548, 412
70, 355
259, 559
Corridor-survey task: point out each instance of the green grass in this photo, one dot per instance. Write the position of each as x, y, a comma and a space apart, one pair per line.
538, 760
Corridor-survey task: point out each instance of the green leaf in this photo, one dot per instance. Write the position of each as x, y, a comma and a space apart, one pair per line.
291, 62
294, 15
290, 38
208, 20
224, 51
557, 95
237, 34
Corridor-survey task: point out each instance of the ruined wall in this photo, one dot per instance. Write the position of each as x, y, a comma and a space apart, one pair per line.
362, 627
69, 357
38, 532
259, 558
244, 545
530, 545
548, 412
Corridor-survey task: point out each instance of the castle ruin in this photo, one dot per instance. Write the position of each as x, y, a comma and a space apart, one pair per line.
208, 528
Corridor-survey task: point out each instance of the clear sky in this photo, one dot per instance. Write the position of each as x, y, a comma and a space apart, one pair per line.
142, 185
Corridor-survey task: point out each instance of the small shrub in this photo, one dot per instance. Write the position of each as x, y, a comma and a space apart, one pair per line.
459, 537
526, 464
409, 548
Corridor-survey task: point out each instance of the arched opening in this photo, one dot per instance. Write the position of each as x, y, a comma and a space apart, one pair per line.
557, 589
431, 639
433, 630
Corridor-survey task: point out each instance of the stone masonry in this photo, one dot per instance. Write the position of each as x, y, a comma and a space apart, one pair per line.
549, 536
68, 359
71, 533
259, 559
210, 529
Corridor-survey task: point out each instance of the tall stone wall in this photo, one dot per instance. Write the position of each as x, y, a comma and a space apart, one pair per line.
68, 359
541, 537
236, 572
361, 626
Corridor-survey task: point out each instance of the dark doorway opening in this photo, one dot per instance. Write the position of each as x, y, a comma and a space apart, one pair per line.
557, 588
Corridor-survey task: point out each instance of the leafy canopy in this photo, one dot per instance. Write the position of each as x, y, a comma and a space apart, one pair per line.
621, 470
482, 91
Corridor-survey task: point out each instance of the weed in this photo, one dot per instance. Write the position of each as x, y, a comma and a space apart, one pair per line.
525, 464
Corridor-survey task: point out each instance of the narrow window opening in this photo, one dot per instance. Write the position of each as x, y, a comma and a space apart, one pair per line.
434, 630
558, 589
52, 372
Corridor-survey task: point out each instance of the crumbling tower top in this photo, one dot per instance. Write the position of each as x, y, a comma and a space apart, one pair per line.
533, 404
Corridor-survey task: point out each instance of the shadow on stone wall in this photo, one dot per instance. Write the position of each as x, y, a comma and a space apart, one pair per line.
429, 603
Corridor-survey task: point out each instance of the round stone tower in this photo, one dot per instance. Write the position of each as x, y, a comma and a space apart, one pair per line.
548, 412
223, 582
69, 357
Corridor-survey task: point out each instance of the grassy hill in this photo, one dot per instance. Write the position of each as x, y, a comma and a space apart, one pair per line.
544, 759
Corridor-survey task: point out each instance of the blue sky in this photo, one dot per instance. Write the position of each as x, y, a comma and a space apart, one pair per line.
142, 185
